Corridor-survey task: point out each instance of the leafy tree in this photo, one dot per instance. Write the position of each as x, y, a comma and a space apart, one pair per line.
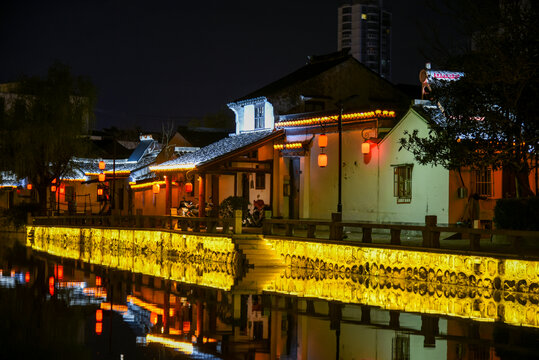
43, 125
488, 117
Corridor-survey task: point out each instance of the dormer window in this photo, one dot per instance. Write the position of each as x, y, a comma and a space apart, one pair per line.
259, 116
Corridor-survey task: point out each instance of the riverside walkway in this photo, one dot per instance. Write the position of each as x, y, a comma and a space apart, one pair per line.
429, 236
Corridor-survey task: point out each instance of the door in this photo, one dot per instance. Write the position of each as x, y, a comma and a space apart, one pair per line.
293, 205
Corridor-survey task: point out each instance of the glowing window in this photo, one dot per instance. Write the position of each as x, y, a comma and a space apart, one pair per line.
364, 16
402, 188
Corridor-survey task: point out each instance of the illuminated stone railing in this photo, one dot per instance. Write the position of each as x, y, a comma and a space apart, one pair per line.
195, 259
476, 287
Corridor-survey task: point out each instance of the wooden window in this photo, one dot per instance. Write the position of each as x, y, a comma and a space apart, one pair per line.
483, 182
402, 188
260, 183
259, 116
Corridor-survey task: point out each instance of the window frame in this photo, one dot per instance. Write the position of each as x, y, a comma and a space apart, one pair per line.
402, 183
483, 182
259, 116
260, 181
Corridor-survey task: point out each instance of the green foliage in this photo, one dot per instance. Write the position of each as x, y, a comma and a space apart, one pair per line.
517, 214
43, 124
231, 203
488, 118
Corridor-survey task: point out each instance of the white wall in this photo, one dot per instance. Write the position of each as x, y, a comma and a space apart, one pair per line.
367, 180
430, 185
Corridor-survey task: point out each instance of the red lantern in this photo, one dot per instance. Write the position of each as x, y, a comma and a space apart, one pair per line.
98, 328
99, 192
156, 188
101, 165
51, 285
101, 177
98, 281
29, 186
59, 271
323, 141
53, 188
62, 190
188, 187
27, 277
153, 318
365, 148
99, 315
322, 160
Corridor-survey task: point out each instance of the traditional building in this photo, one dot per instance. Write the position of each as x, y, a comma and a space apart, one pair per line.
247, 163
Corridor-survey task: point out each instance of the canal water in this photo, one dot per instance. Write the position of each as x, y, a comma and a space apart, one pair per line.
204, 305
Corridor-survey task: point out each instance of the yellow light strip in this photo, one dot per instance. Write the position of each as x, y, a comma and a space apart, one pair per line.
296, 145
135, 186
78, 179
334, 118
183, 346
172, 167
109, 172
8, 187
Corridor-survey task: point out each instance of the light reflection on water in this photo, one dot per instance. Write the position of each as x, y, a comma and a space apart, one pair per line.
301, 312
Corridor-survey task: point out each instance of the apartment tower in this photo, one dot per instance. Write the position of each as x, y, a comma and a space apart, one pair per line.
365, 27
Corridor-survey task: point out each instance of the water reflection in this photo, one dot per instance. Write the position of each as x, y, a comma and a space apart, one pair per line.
142, 316
312, 310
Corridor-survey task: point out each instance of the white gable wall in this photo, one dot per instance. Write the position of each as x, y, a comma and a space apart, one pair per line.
367, 180
430, 185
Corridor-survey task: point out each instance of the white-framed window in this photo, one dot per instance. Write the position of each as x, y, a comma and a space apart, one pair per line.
402, 183
483, 182
259, 116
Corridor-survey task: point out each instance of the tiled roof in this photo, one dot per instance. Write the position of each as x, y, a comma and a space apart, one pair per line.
217, 149
316, 66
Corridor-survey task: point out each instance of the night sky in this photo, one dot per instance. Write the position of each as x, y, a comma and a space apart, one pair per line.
159, 61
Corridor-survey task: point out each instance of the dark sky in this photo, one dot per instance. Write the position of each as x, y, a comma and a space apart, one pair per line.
154, 61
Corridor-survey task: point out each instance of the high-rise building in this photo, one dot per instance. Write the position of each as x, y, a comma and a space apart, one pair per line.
365, 27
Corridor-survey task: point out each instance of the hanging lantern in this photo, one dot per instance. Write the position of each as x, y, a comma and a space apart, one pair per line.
98, 281
101, 165
98, 328
53, 188
322, 160
99, 192
99, 315
156, 188
323, 141
51, 285
62, 189
101, 177
365, 148
189, 187
29, 186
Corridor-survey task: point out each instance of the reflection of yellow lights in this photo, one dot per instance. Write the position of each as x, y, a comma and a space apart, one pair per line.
183, 346
145, 305
147, 185
70, 284
214, 263
334, 118
97, 292
174, 331
115, 307
411, 281
172, 167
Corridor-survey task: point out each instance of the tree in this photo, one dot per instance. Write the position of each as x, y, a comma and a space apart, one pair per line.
43, 125
488, 117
